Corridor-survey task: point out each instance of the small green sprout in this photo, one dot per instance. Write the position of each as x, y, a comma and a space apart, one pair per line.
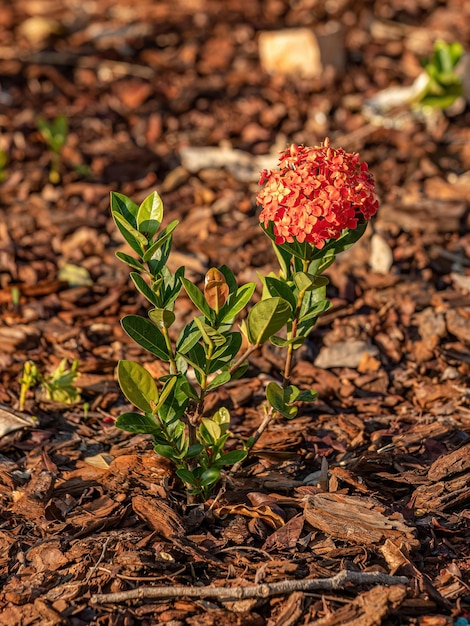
444, 85
56, 387
55, 135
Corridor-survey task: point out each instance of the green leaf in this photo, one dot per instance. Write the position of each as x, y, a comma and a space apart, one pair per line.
187, 477
129, 260
219, 380
226, 353
143, 288
146, 334
229, 277
196, 357
137, 385
280, 288
188, 337
189, 390
236, 301
164, 450
266, 318
318, 266
279, 398
163, 318
150, 214
197, 298
175, 405
209, 477
209, 430
307, 395
121, 222
138, 423
210, 336
283, 343
163, 238
284, 258
194, 450
232, 457
165, 392
125, 206
307, 282
222, 417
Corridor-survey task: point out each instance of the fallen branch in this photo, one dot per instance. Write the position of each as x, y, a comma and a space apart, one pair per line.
264, 590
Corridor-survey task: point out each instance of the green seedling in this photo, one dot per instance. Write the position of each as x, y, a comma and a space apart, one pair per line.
444, 85
55, 135
58, 386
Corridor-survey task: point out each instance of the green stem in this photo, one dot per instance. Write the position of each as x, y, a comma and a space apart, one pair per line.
293, 333
171, 355
286, 374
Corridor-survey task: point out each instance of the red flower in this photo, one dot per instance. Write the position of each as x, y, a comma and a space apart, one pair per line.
316, 194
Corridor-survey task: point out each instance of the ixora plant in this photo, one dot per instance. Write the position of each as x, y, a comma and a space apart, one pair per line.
315, 205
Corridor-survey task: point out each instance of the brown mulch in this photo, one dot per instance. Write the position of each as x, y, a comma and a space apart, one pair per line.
373, 479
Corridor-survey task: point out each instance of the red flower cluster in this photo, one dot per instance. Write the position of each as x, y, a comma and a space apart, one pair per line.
316, 194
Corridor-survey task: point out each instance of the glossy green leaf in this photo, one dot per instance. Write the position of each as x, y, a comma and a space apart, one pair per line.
146, 334
232, 457
196, 357
227, 352
197, 298
211, 337
318, 266
137, 385
143, 288
162, 317
133, 232
131, 240
125, 206
279, 288
162, 239
222, 417
194, 450
229, 277
307, 282
187, 477
266, 318
188, 337
307, 395
236, 302
129, 260
189, 390
280, 398
219, 380
137, 423
166, 391
150, 214
165, 451
210, 431
209, 477
281, 342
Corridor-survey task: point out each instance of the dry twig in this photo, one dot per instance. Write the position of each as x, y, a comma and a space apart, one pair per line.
264, 590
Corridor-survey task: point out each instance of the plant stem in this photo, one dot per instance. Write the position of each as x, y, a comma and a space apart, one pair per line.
259, 431
171, 356
293, 333
243, 357
286, 374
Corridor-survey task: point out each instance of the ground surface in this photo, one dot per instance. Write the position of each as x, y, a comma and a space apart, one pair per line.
374, 477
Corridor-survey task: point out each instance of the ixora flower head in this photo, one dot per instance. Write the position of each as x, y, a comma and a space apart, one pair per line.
316, 194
